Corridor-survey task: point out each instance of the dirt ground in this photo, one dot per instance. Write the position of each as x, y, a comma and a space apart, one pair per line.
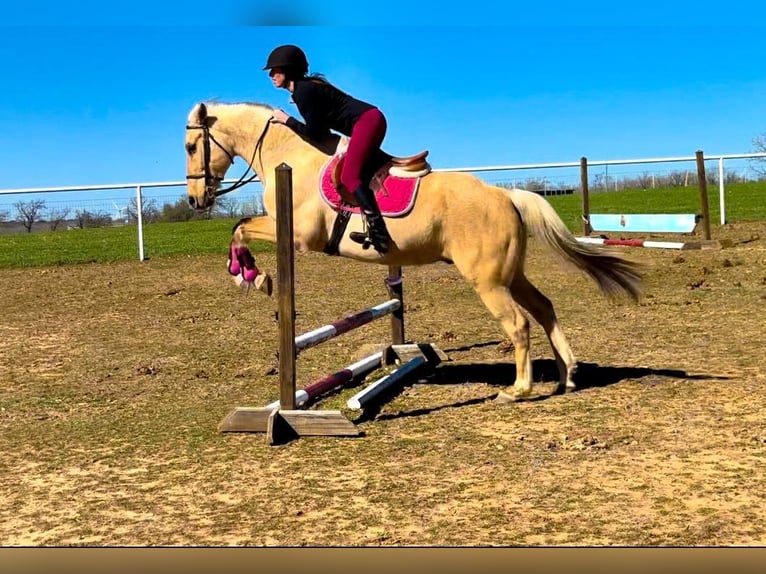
113, 379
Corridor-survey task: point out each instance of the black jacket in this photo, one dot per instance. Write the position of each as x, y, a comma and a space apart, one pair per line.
324, 107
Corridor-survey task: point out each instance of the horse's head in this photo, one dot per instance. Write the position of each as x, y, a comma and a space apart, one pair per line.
206, 164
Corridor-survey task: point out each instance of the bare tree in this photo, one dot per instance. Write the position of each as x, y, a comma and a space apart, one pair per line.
227, 207
253, 207
759, 146
87, 219
56, 217
733, 177
598, 181
149, 211
27, 213
534, 184
644, 180
178, 211
676, 178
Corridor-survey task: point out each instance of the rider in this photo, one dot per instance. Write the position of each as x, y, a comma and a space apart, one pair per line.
325, 107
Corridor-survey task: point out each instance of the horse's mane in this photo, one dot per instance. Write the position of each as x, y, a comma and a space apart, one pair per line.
328, 147
215, 103
218, 104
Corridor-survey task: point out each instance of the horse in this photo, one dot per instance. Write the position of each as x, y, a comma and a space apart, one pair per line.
456, 218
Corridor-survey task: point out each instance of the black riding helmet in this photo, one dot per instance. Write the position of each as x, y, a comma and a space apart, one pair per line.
289, 57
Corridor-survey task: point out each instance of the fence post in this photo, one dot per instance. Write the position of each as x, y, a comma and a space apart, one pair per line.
702, 182
140, 223
721, 200
285, 285
586, 228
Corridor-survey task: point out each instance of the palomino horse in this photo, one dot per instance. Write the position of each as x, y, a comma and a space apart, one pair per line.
456, 218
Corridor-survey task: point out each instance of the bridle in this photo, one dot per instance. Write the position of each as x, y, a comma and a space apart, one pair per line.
213, 181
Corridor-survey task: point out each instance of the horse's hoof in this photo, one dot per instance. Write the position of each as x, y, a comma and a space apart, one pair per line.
243, 285
264, 283
504, 398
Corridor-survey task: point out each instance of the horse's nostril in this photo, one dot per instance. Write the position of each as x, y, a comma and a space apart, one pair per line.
192, 202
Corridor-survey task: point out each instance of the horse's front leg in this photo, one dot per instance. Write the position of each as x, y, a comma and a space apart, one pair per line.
241, 261
251, 228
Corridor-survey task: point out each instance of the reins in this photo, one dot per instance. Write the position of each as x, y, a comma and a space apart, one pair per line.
241, 181
211, 179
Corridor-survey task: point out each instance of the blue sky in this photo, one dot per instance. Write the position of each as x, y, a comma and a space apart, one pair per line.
86, 102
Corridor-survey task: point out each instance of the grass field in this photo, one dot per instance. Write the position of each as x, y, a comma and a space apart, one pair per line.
110, 244
744, 202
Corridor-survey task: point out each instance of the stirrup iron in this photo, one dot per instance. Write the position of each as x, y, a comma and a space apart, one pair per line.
361, 238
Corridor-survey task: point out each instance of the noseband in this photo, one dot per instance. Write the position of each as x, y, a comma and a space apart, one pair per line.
213, 181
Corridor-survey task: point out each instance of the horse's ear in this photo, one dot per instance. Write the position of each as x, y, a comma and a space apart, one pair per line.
201, 113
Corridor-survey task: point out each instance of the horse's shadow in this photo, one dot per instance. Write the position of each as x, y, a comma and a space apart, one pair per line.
587, 376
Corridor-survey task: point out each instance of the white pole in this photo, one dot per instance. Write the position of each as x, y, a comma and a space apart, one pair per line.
632, 242
720, 191
140, 221
368, 394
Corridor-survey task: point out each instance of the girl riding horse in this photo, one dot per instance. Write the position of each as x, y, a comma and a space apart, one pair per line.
324, 107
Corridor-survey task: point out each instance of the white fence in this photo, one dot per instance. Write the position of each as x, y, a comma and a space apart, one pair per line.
139, 187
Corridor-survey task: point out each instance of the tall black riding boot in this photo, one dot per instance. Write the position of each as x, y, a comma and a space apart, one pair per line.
378, 232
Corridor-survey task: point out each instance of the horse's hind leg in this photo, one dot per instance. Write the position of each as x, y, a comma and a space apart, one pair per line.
497, 298
542, 311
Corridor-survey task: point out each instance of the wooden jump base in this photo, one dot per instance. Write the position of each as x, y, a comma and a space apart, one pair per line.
257, 419
283, 420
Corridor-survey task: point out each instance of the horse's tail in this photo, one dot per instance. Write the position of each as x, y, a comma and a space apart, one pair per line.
613, 274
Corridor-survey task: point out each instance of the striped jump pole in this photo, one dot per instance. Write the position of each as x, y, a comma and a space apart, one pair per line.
634, 242
329, 382
374, 390
341, 326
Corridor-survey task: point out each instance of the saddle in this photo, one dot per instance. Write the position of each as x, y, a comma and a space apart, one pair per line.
382, 165
411, 165
394, 180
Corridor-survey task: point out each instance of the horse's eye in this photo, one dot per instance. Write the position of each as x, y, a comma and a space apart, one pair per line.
191, 148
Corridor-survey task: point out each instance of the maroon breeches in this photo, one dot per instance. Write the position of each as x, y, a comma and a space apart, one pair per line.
366, 137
